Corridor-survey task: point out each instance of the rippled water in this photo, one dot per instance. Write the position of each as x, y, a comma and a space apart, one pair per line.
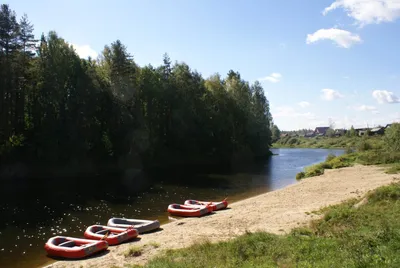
27, 221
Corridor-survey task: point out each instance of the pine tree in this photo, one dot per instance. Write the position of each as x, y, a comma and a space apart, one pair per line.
9, 30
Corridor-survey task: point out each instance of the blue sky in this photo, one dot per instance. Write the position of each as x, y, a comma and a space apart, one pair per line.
316, 59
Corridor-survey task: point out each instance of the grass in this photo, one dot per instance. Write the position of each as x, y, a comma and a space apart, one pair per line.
394, 169
154, 244
133, 251
342, 142
367, 236
331, 162
366, 151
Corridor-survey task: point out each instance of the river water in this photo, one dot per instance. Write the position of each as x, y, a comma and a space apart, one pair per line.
28, 218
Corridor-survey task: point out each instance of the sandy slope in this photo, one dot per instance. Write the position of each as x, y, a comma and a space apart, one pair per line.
275, 212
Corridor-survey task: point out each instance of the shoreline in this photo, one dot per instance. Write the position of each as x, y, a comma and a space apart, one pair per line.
276, 212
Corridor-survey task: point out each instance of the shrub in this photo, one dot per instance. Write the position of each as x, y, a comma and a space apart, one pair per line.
315, 170
394, 169
364, 145
292, 141
348, 150
134, 251
392, 137
390, 192
300, 175
330, 157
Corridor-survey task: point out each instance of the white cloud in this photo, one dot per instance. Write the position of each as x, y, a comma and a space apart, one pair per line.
346, 77
384, 96
304, 104
85, 51
287, 111
368, 11
342, 38
273, 78
364, 108
330, 94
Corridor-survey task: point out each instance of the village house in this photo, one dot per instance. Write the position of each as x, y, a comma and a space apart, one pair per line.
377, 131
320, 131
340, 132
361, 131
309, 135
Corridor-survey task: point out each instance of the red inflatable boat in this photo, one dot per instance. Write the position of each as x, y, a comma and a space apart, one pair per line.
73, 248
188, 211
112, 235
214, 205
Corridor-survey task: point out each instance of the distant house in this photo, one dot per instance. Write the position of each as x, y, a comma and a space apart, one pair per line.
309, 135
388, 126
377, 131
340, 132
361, 131
284, 135
321, 131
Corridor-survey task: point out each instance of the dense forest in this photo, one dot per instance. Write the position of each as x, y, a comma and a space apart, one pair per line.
95, 115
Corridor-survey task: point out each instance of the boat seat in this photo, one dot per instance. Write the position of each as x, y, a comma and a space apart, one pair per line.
68, 244
103, 232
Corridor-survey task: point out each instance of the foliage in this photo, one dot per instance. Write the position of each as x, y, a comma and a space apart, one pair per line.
330, 157
394, 169
367, 236
352, 132
369, 157
275, 132
133, 251
340, 142
363, 145
392, 137
300, 175
61, 108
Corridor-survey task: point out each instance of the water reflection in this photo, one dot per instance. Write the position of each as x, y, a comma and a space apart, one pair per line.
42, 208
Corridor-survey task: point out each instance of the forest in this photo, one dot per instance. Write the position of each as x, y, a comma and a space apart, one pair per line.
63, 114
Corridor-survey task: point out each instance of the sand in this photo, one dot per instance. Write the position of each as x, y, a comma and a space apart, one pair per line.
275, 212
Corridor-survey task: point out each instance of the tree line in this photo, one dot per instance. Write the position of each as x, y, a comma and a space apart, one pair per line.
56, 108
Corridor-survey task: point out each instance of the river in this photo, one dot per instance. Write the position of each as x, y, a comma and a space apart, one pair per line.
29, 218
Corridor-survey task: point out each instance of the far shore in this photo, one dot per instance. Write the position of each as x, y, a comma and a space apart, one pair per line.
274, 212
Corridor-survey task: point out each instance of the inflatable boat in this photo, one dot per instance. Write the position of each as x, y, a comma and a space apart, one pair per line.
142, 226
112, 235
188, 211
214, 205
73, 248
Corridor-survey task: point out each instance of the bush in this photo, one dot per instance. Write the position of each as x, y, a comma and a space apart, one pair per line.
330, 157
292, 141
364, 145
315, 170
300, 175
392, 137
348, 150
390, 192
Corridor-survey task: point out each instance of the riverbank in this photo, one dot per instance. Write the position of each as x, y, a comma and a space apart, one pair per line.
342, 142
275, 212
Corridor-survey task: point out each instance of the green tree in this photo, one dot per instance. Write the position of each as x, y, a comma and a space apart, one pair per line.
9, 30
276, 133
392, 137
352, 132
102, 114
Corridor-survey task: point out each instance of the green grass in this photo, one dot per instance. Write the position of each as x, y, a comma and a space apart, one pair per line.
366, 155
154, 244
133, 251
367, 236
343, 142
394, 169
331, 162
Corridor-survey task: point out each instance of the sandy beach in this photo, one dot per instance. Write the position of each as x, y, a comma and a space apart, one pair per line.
275, 212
